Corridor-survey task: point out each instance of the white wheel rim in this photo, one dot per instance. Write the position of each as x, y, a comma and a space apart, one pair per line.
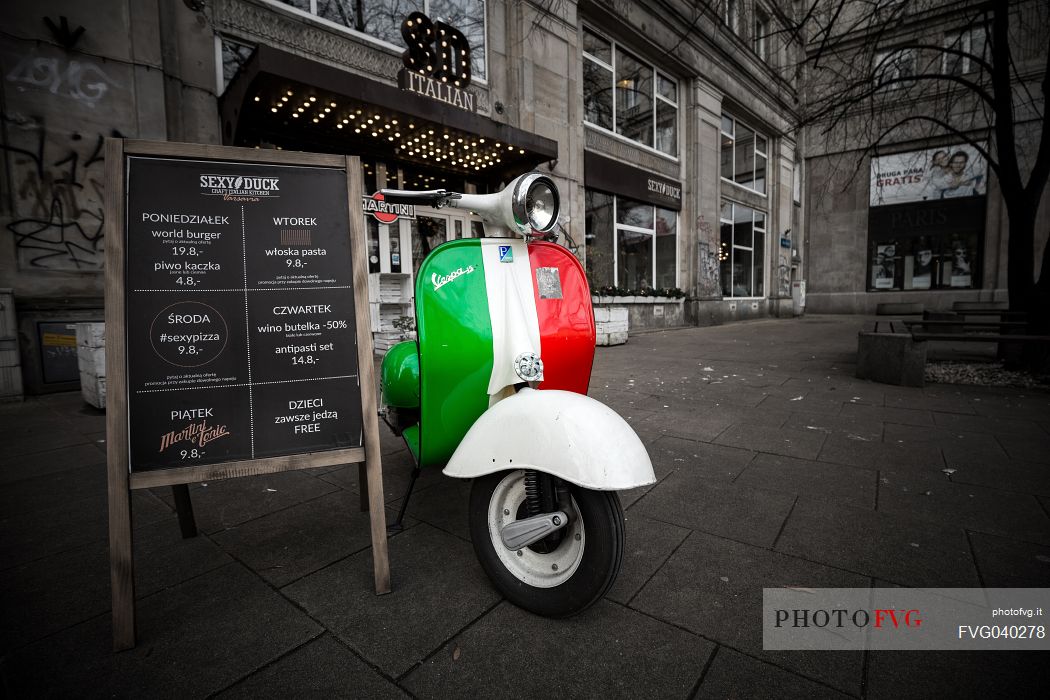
533, 568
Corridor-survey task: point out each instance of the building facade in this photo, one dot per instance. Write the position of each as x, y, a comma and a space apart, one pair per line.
666, 125
903, 202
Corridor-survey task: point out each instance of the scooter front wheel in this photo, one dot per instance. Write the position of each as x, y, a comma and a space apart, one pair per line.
556, 580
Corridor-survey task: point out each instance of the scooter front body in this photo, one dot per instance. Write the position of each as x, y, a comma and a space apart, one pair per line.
481, 304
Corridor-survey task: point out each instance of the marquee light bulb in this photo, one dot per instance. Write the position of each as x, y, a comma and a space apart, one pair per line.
313, 99
273, 109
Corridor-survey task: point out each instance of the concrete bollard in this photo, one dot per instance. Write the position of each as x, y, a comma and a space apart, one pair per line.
891, 358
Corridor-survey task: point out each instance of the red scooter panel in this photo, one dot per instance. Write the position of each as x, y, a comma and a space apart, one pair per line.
566, 318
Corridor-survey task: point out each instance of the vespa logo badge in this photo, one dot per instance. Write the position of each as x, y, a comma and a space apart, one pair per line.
440, 281
529, 367
506, 254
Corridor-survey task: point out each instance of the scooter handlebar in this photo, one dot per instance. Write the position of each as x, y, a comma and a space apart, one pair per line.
435, 198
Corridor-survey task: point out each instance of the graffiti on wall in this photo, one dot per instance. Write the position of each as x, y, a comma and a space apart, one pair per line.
83, 81
58, 107
57, 184
707, 264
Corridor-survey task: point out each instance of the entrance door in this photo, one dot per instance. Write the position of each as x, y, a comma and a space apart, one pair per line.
428, 232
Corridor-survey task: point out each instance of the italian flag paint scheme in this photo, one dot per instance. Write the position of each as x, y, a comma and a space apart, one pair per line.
480, 303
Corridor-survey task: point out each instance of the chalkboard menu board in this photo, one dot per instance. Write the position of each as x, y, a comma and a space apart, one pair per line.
241, 338
237, 331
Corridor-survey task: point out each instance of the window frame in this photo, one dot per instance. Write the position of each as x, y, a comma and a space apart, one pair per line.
651, 232
892, 65
962, 40
312, 15
616, 48
754, 154
761, 31
755, 230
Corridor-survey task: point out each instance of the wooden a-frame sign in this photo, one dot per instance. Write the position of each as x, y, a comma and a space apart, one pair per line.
238, 339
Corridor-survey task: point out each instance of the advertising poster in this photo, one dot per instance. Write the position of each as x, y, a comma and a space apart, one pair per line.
935, 173
884, 267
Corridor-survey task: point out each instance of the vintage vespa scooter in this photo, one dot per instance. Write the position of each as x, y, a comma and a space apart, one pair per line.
495, 390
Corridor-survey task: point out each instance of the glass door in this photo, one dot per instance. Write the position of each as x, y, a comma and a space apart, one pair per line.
428, 232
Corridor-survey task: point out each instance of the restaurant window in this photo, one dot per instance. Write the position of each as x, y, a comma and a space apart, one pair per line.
939, 261
628, 96
381, 19
744, 155
630, 244
742, 250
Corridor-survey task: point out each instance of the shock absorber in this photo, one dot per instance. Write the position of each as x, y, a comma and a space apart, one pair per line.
532, 492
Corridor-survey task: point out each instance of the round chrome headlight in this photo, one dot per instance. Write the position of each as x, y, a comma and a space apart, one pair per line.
541, 205
535, 202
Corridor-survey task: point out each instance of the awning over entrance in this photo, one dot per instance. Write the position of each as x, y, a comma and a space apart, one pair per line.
282, 100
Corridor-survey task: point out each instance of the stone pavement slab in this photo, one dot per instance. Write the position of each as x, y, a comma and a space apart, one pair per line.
790, 442
321, 668
42, 597
934, 496
439, 588
906, 550
649, 544
221, 505
804, 477
194, 639
711, 585
607, 652
736, 675
285, 545
1004, 562
690, 501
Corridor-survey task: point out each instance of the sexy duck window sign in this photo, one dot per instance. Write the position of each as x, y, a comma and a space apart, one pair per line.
437, 61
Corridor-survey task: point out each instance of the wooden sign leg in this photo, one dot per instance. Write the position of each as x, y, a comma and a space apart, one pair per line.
362, 485
377, 519
184, 509
121, 561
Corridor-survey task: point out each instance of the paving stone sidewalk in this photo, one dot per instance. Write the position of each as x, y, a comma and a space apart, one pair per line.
776, 467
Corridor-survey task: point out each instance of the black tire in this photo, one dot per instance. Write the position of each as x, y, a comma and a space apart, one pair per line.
596, 558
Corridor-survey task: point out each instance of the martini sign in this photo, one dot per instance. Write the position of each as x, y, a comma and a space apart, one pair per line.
385, 212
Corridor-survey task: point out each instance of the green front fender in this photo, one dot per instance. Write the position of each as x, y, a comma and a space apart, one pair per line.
399, 376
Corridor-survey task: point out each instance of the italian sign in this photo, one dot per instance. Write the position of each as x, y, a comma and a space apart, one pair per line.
934, 173
241, 336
